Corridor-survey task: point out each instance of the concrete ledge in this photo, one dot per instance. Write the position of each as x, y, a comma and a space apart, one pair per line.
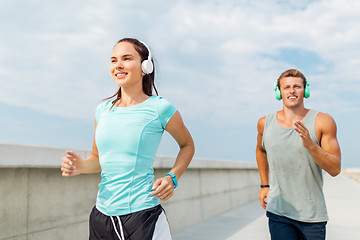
25, 156
353, 173
168, 162
38, 203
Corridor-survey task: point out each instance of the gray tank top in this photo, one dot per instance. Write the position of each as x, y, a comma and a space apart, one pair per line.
296, 181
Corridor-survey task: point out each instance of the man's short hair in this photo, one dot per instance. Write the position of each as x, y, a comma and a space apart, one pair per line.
291, 73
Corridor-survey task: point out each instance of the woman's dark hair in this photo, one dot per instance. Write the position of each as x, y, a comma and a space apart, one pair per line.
148, 81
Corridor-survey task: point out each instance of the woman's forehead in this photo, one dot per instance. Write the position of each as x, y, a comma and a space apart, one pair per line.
124, 48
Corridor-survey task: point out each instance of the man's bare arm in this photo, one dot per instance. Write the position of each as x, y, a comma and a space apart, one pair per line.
328, 154
262, 163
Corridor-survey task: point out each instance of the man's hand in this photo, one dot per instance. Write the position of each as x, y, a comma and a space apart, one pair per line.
263, 197
304, 134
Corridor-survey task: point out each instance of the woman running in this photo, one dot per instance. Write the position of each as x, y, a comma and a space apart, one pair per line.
128, 131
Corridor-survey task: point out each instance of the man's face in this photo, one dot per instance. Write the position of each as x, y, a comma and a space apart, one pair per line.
292, 90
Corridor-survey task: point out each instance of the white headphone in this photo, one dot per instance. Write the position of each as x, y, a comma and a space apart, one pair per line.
147, 66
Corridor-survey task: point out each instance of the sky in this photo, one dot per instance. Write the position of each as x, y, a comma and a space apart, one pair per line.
216, 61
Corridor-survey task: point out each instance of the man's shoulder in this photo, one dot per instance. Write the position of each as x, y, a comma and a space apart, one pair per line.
325, 120
321, 116
262, 120
261, 124
267, 115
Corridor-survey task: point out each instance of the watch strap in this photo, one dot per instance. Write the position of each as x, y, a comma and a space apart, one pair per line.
173, 178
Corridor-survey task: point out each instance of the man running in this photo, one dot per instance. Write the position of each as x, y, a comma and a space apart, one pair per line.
294, 146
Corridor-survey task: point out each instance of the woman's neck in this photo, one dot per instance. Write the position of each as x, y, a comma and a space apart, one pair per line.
130, 98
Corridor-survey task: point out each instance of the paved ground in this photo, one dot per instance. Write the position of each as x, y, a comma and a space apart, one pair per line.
249, 222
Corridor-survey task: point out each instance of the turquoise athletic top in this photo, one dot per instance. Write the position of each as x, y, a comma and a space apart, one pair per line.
127, 139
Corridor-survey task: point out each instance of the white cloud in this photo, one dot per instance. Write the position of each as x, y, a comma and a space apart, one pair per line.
239, 36
216, 59
212, 51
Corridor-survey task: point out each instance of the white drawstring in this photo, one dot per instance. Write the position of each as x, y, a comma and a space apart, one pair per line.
121, 229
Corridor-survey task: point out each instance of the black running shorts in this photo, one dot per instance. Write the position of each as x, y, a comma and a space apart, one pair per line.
148, 224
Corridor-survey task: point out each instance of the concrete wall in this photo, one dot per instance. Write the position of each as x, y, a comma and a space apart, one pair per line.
36, 202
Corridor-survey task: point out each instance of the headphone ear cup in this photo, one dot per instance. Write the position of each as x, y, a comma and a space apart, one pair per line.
278, 93
277, 90
147, 66
307, 90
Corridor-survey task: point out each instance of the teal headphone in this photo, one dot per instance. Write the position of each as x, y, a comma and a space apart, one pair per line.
278, 93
